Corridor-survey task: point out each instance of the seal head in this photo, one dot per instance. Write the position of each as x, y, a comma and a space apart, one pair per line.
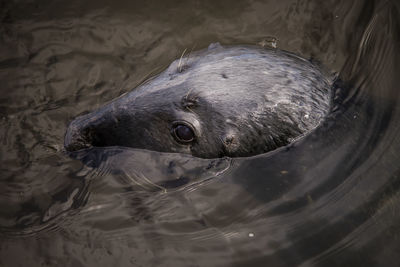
223, 101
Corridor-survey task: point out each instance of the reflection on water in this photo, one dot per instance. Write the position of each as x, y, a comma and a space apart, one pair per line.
331, 199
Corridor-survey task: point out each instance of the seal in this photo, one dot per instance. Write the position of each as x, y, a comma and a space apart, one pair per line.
233, 101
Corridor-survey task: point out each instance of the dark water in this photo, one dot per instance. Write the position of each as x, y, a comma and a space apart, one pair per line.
330, 199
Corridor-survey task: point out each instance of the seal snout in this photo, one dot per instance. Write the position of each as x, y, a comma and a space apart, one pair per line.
77, 136
93, 129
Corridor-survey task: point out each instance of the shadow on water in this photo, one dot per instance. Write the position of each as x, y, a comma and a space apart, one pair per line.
329, 199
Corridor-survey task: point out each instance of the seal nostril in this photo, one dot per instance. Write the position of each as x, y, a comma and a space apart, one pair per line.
76, 139
85, 138
93, 129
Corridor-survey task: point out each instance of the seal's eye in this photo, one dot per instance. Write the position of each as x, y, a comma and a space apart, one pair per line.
183, 133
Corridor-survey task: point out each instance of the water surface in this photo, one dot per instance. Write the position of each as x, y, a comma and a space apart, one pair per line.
330, 199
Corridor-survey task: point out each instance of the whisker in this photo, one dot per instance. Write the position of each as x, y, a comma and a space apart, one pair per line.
188, 93
146, 76
190, 53
180, 60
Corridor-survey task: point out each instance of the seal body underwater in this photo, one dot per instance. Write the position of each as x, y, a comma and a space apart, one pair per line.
222, 101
